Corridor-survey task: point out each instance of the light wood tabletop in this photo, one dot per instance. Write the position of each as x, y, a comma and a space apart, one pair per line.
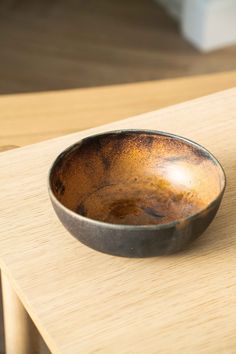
30, 118
83, 301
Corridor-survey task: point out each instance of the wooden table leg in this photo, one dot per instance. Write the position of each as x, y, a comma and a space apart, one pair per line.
2, 349
21, 336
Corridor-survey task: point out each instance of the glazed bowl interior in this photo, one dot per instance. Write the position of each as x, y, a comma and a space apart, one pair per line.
136, 178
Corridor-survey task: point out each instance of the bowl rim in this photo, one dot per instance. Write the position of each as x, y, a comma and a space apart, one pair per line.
128, 226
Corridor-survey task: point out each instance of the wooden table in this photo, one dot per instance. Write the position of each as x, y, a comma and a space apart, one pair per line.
82, 301
30, 118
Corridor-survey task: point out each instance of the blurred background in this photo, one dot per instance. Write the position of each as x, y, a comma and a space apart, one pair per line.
58, 44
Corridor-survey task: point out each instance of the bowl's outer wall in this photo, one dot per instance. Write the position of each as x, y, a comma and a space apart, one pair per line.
135, 241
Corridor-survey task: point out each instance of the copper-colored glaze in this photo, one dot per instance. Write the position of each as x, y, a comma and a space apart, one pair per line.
136, 178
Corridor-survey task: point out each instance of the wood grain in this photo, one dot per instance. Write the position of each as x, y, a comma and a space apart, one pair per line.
83, 301
56, 111
30, 118
54, 45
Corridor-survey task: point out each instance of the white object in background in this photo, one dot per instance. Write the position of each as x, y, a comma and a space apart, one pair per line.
209, 24
173, 7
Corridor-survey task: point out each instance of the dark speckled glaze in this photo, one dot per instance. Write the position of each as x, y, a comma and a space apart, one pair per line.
136, 193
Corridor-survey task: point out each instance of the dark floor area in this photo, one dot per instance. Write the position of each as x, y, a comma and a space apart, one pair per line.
50, 45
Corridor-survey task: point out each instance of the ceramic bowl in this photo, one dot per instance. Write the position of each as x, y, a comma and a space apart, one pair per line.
136, 193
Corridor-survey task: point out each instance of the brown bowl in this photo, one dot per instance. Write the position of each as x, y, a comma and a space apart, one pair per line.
136, 193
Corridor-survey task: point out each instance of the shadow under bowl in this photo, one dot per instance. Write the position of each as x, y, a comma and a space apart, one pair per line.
136, 193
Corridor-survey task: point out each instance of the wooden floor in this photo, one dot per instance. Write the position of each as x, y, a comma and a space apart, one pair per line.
48, 45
